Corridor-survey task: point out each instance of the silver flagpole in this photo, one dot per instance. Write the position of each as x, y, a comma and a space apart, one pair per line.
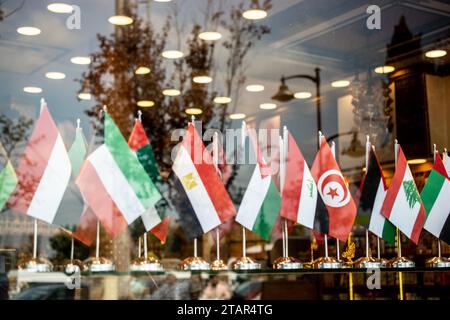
338, 255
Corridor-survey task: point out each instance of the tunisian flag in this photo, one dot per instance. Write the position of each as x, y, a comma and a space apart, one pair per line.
334, 193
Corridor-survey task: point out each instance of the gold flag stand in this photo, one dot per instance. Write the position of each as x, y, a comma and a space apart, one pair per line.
97, 263
36, 264
145, 263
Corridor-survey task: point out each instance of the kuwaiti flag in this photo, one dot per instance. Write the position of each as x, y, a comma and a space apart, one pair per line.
140, 144
436, 200
447, 162
299, 196
372, 194
260, 205
402, 205
43, 172
334, 195
198, 193
8, 177
115, 185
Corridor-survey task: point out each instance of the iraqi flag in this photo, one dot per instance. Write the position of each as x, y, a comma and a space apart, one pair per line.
140, 144
198, 193
435, 197
334, 194
260, 204
299, 195
43, 172
402, 205
372, 193
8, 177
116, 186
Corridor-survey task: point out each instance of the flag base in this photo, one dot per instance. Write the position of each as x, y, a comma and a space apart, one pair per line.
287, 263
195, 264
369, 263
401, 262
73, 266
327, 263
218, 265
245, 264
438, 262
36, 265
100, 264
146, 265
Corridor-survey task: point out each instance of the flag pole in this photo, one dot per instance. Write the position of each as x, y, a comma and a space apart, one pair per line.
35, 238
97, 240
139, 247
145, 246
282, 178
333, 151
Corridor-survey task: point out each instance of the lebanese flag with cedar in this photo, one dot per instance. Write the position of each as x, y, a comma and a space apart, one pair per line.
402, 205
334, 193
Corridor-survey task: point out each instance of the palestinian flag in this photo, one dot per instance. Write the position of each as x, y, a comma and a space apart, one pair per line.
199, 195
261, 202
336, 209
299, 195
372, 193
43, 172
436, 200
8, 178
402, 205
140, 144
116, 186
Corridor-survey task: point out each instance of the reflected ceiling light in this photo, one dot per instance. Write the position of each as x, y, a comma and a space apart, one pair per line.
171, 92
435, 54
384, 69
254, 88
210, 36
80, 60
142, 70
222, 100
254, 14
237, 116
302, 95
162, 0
59, 7
417, 161
55, 75
120, 20
145, 103
202, 79
268, 106
84, 96
172, 54
32, 89
29, 31
193, 111
340, 84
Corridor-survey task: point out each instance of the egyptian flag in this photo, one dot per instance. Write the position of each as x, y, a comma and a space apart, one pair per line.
402, 205
43, 172
8, 177
140, 144
372, 193
334, 194
199, 195
299, 196
116, 186
260, 204
436, 200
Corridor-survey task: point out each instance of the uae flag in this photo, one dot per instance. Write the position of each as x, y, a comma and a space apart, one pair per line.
447, 163
372, 193
116, 186
140, 144
198, 194
8, 178
402, 205
334, 194
436, 200
261, 202
299, 196
43, 172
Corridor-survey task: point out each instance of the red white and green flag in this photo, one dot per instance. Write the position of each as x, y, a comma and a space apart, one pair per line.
116, 186
402, 205
446, 160
8, 177
140, 144
436, 200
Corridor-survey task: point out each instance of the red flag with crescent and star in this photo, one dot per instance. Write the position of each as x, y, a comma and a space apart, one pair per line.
334, 193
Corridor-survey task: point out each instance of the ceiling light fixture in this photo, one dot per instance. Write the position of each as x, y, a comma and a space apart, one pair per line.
142, 70
29, 31
222, 100
145, 103
384, 69
202, 79
84, 96
254, 14
210, 36
193, 111
172, 54
59, 7
237, 116
417, 161
268, 106
32, 89
120, 20
302, 95
254, 88
433, 54
55, 75
80, 60
340, 84
171, 92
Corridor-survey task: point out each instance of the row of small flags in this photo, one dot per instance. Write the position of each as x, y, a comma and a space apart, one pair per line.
120, 185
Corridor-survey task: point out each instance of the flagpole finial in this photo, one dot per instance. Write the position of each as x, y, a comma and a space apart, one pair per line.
395, 141
105, 108
43, 103
368, 138
78, 123
445, 150
192, 118
140, 115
